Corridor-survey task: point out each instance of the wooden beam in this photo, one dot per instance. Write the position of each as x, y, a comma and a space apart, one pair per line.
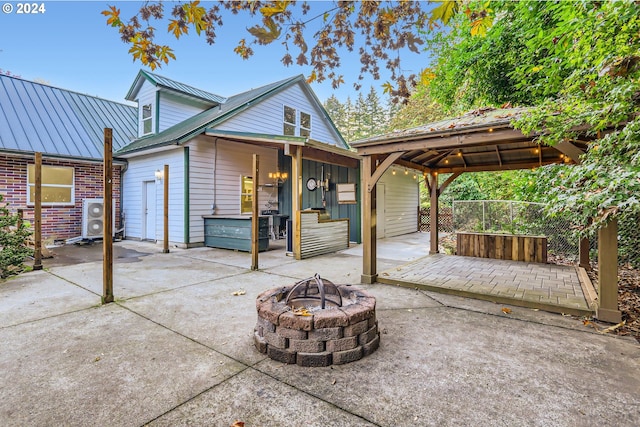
448, 181
426, 155
255, 219
435, 160
447, 142
369, 220
296, 197
381, 169
165, 207
107, 219
412, 165
498, 154
570, 150
327, 157
37, 235
433, 213
608, 273
489, 168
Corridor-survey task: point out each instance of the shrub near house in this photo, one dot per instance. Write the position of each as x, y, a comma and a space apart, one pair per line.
13, 242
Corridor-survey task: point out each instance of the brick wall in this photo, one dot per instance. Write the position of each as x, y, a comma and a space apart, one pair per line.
58, 222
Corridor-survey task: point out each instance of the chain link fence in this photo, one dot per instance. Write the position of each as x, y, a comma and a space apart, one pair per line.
526, 218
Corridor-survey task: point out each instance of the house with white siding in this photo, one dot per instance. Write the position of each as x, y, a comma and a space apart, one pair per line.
208, 142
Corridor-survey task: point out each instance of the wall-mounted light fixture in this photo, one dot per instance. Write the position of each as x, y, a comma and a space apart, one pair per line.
159, 174
278, 177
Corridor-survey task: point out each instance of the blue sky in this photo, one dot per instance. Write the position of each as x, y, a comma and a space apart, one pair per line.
71, 47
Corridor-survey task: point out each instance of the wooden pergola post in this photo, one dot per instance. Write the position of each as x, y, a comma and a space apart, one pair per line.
107, 235
369, 225
608, 274
255, 219
296, 197
433, 212
37, 213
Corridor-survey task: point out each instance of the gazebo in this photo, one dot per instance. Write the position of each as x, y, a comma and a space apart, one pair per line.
482, 140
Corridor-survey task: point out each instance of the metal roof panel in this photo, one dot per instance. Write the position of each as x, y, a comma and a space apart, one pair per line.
38, 117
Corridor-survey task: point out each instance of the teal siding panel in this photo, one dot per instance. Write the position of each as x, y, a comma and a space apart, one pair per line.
235, 233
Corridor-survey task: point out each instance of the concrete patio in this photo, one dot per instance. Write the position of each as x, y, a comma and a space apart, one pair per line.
176, 348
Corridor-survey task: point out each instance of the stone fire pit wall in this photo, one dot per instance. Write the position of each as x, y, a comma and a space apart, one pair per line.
335, 335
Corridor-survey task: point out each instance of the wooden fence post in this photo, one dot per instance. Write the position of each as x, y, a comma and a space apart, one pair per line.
37, 213
107, 234
255, 219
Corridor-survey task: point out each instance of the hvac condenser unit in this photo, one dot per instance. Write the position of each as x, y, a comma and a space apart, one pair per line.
93, 218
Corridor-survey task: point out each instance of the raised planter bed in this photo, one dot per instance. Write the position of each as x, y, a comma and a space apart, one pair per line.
502, 246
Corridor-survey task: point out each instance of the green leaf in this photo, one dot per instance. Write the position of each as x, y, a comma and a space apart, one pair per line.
444, 12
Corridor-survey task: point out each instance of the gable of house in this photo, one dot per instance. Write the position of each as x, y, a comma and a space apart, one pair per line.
163, 103
287, 107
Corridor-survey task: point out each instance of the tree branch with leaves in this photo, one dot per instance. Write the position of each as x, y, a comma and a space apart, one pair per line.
312, 33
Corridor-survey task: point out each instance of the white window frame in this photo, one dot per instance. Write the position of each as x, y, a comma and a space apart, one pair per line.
286, 123
247, 194
45, 185
303, 128
144, 120
298, 129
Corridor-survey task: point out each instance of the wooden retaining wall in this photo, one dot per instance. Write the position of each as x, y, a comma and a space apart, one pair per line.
502, 246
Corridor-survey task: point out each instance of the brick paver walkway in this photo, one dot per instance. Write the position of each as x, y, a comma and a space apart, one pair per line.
549, 287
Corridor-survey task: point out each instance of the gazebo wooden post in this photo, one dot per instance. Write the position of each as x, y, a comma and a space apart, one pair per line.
433, 212
296, 197
369, 225
608, 274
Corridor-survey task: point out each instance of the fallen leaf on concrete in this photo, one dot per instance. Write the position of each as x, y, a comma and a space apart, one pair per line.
301, 312
333, 382
97, 359
506, 310
613, 328
237, 423
237, 293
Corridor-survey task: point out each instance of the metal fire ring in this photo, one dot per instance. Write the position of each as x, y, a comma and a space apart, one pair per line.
300, 291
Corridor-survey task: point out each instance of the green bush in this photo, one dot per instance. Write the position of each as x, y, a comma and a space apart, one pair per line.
13, 242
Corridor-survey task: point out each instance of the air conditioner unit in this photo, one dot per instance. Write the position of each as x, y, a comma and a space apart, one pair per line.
93, 218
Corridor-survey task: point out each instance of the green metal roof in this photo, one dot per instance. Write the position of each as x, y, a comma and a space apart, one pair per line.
35, 117
173, 85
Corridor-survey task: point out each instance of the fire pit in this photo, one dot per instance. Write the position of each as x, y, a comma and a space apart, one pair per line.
316, 323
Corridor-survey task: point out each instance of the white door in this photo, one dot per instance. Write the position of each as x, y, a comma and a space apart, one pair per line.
380, 208
149, 210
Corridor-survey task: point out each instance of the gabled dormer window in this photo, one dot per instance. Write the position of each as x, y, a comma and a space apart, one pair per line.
147, 119
296, 123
